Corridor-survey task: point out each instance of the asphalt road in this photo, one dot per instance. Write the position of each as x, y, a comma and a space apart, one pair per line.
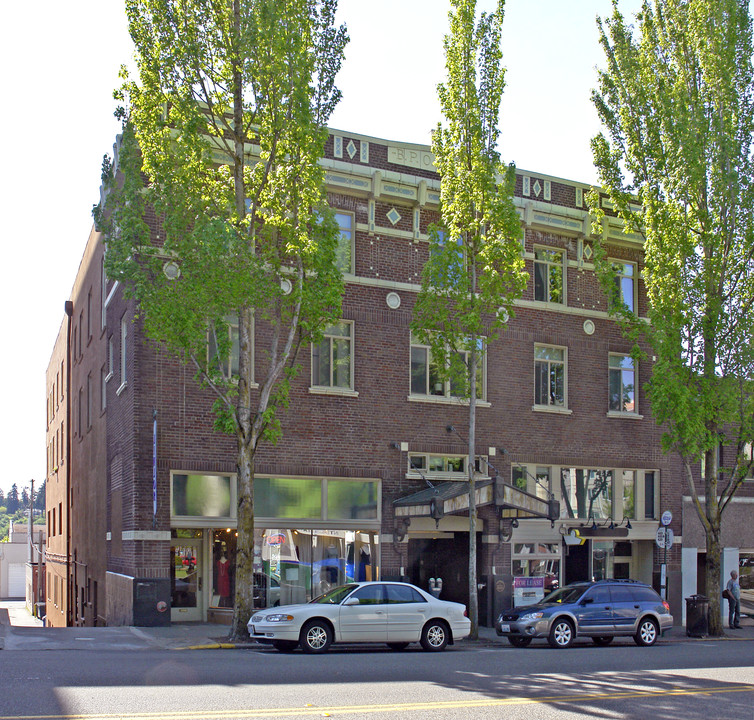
689, 681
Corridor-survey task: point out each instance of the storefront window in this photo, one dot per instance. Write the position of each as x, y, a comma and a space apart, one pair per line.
348, 500
602, 560
746, 569
288, 497
540, 561
224, 544
586, 493
629, 494
201, 496
294, 566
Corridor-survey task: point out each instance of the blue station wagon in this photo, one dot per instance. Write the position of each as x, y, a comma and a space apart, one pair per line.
601, 610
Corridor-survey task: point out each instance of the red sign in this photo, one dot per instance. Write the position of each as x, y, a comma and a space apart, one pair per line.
275, 539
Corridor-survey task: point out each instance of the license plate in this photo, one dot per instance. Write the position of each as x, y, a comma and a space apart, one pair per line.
505, 628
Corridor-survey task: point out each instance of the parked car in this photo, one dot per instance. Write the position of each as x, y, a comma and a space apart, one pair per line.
601, 610
382, 612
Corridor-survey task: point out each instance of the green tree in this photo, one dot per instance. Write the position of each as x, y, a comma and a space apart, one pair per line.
676, 102
223, 132
475, 268
12, 500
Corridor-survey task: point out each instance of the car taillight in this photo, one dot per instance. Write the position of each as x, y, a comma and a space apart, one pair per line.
666, 606
465, 612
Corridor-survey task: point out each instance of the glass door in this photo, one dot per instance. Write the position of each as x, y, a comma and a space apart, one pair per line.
186, 580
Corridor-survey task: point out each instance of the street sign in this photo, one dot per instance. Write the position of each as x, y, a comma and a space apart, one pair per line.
668, 538
660, 537
667, 518
664, 538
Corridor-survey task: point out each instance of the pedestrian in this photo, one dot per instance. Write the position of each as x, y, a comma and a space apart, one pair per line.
734, 601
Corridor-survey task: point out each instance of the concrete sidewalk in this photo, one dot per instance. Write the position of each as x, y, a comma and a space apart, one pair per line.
20, 631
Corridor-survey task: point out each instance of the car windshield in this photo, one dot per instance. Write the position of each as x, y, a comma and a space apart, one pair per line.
334, 596
567, 594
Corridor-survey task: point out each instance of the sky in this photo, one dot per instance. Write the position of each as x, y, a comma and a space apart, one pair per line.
60, 65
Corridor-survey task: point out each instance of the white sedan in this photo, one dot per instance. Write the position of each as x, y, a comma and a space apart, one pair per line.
382, 612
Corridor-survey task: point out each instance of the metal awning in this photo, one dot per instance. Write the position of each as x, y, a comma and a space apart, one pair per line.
444, 499
517, 503
453, 496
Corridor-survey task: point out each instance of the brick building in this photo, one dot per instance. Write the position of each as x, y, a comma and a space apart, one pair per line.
368, 478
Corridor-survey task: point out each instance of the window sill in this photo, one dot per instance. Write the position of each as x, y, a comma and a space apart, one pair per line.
338, 392
551, 409
121, 388
624, 415
445, 400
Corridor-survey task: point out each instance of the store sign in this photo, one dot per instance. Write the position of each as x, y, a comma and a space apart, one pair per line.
528, 590
275, 539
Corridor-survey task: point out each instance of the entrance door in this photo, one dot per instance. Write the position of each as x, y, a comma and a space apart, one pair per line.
443, 558
186, 580
577, 563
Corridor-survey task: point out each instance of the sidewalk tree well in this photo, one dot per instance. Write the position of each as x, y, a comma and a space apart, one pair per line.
475, 268
216, 219
675, 159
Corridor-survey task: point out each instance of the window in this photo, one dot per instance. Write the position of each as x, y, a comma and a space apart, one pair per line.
426, 376
103, 387
370, 595
586, 493
344, 252
89, 401
89, 316
548, 276
331, 358
649, 496
621, 384
229, 350
422, 464
123, 347
624, 282
549, 376
629, 493
400, 594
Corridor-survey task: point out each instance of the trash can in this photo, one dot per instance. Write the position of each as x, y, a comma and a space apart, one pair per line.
697, 609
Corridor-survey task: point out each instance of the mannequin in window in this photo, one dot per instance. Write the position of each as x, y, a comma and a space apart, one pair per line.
223, 580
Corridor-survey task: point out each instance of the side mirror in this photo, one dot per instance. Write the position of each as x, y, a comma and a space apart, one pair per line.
351, 601
586, 601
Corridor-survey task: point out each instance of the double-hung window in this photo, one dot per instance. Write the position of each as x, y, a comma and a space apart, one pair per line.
332, 358
625, 285
223, 354
548, 275
344, 252
428, 379
550, 376
622, 384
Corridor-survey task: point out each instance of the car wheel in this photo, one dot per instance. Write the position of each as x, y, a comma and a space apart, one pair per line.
519, 642
561, 634
316, 637
435, 636
602, 639
398, 646
647, 633
284, 646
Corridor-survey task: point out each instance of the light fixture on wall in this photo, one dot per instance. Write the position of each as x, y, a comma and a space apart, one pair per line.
401, 528
627, 521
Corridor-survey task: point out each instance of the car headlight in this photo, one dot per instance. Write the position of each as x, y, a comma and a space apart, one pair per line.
279, 617
532, 616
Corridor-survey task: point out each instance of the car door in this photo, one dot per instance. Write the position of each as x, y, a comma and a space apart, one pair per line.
365, 620
594, 611
407, 611
625, 609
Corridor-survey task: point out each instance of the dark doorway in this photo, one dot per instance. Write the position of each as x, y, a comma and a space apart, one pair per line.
577, 563
701, 573
446, 558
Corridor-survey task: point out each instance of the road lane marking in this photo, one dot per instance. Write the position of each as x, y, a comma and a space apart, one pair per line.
391, 707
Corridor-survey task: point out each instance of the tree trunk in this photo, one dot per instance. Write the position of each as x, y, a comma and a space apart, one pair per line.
473, 594
243, 605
